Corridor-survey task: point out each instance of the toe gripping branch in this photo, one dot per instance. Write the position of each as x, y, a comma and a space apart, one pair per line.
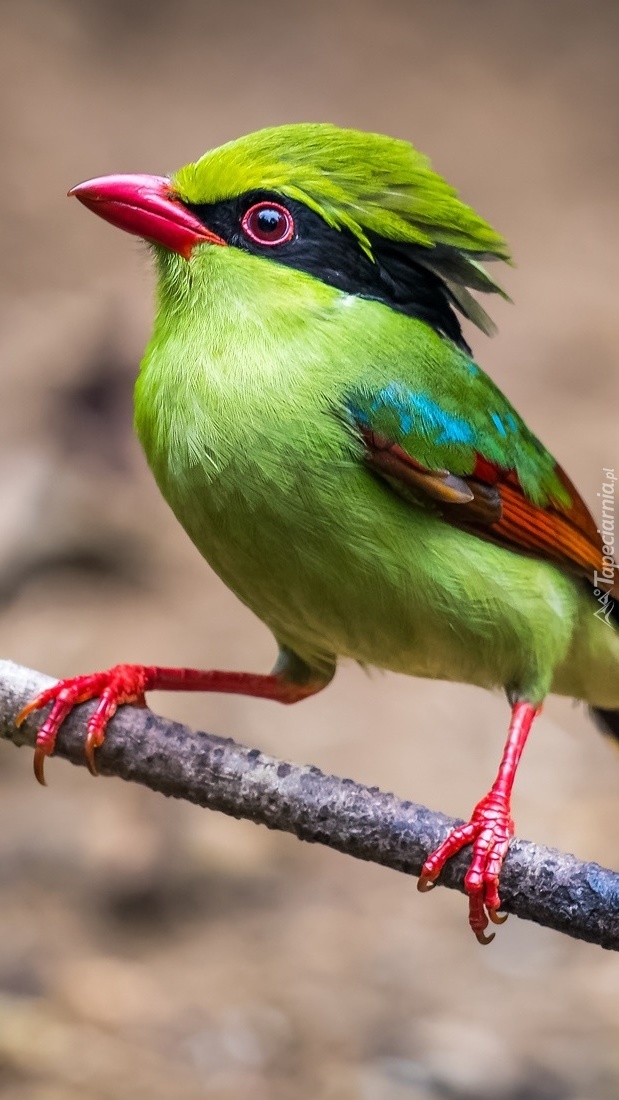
128, 684
489, 831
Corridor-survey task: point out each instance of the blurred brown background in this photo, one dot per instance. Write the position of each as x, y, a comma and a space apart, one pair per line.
150, 949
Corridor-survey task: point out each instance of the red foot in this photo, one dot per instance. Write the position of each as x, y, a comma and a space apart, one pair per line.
127, 684
489, 829
118, 685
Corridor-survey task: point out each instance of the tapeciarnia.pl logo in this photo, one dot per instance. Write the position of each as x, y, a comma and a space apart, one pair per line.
604, 581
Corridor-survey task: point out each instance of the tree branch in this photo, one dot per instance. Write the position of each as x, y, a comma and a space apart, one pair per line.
538, 884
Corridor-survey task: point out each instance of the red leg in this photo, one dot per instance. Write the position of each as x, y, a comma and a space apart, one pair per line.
128, 684
489, 831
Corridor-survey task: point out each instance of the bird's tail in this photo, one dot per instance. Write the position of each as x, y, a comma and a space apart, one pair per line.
608, 720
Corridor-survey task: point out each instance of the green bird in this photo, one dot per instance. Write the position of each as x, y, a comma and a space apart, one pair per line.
313, 416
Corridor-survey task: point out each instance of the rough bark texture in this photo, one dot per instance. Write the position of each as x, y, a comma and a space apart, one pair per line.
538, 884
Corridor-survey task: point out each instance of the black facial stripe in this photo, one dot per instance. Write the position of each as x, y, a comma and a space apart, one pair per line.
396, 278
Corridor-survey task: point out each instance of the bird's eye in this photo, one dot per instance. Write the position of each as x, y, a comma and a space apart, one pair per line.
268, 223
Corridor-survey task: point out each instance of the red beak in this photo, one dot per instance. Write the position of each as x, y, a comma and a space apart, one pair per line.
147, 206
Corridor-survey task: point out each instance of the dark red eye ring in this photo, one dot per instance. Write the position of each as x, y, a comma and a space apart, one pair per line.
281, 229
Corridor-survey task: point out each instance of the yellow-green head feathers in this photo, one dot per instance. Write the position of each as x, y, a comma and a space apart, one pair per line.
369, 184
365, 182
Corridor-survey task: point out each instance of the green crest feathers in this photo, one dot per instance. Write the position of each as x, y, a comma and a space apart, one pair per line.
367, 183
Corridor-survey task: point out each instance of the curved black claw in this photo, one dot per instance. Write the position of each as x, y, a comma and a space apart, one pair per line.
482, 938
425, 884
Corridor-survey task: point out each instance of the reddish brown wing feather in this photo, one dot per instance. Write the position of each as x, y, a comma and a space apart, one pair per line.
491, 504
565, 535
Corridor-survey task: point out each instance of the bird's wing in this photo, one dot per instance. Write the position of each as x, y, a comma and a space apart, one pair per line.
470, 458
